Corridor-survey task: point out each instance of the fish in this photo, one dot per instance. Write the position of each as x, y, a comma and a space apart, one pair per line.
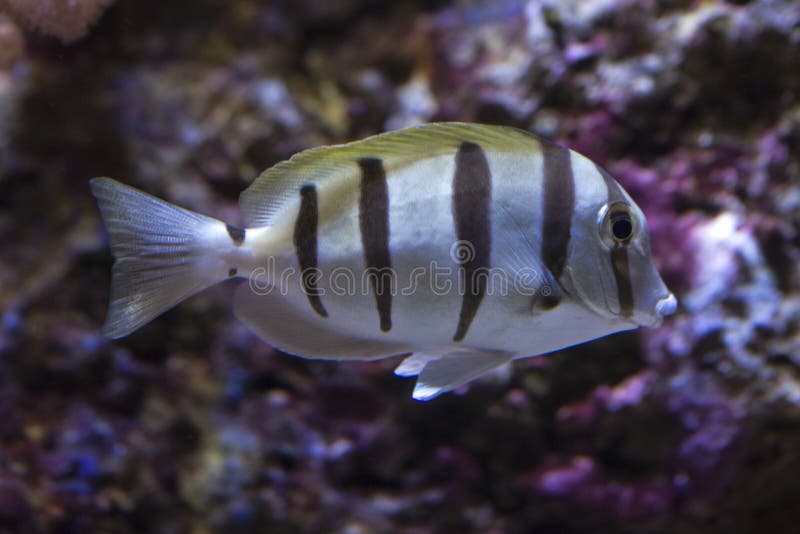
461, 246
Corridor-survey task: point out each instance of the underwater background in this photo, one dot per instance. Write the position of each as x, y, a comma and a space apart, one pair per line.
194, 425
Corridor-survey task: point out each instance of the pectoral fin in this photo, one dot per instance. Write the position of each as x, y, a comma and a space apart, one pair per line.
526, 274
450, 371
549, 294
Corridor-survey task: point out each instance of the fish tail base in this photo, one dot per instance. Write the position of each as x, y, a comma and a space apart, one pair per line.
163, 254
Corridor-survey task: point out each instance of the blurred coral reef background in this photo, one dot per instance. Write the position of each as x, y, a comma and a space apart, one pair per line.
194, 425
67, 20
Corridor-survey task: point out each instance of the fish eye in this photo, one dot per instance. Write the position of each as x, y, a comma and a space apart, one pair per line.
621, 227
618, 225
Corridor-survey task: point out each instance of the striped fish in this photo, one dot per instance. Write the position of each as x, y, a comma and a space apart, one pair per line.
465, 245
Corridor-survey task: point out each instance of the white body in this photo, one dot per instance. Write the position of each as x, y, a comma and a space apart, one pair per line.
564, 251
422, 241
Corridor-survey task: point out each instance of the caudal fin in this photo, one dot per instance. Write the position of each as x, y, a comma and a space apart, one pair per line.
163, 254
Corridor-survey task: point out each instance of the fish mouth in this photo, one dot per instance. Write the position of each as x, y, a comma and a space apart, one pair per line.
664, 307
667, 305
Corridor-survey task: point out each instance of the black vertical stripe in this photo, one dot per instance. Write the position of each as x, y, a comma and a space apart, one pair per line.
472, 191
373, 218
619, 254
619, 262
558, 203
305, 244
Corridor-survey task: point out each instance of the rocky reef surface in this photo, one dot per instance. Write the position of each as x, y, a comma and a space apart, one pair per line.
194, 425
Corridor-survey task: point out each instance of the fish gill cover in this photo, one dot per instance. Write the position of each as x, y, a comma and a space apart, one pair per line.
194, 424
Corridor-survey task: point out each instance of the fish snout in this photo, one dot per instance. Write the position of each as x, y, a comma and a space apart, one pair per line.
666, 306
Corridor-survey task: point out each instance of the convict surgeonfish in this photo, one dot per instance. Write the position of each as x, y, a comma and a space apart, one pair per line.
466, 245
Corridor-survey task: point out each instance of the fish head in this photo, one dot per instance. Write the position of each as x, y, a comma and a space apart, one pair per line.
610, 268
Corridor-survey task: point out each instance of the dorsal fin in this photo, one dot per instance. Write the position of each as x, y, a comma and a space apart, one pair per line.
274, 187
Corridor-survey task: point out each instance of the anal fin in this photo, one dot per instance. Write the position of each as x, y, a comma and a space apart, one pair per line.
274, 320
448, 372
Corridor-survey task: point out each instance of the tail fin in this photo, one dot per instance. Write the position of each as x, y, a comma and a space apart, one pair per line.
163, 254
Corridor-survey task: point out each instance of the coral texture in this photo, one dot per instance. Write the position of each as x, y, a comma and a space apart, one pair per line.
66, 19
12, 43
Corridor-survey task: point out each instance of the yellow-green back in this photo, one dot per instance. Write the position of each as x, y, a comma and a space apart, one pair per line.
279, 184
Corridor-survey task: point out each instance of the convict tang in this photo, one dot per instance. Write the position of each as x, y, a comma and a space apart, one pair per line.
465, 245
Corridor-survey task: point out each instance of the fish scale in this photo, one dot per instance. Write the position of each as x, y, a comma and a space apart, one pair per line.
468, 245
